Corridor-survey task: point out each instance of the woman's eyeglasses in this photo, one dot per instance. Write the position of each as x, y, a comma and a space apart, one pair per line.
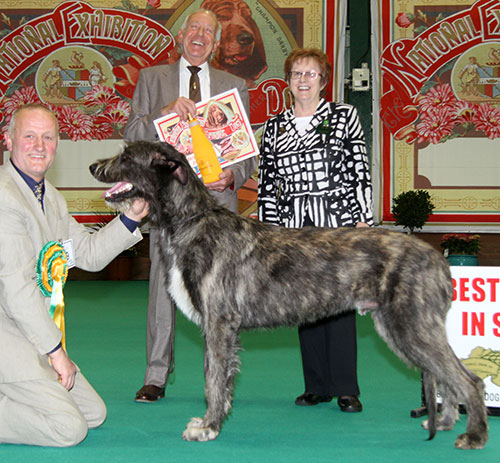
296, 75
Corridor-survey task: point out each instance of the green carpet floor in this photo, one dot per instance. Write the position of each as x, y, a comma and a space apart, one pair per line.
106, 337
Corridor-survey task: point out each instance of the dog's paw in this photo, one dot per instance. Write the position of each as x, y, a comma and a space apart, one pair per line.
196, 432
470, 441
194, 422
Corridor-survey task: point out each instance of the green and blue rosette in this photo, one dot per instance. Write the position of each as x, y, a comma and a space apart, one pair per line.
51, 275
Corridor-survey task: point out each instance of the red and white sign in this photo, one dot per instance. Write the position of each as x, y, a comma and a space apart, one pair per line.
473, 325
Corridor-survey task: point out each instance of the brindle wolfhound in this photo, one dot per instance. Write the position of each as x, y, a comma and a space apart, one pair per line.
228, 273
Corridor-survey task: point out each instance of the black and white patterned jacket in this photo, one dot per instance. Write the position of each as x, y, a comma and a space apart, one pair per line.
323, 175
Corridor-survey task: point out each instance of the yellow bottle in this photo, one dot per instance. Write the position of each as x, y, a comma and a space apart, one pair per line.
204, 152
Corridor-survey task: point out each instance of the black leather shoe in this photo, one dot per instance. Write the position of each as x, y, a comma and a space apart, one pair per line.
149, 393
350, 404
309, 399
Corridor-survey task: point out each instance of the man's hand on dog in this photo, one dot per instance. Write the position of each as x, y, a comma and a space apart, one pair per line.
138, 210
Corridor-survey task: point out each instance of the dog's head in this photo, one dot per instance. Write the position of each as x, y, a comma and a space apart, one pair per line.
241, 50
143, 170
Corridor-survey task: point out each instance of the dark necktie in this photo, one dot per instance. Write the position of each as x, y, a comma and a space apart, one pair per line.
194, 84
38, 190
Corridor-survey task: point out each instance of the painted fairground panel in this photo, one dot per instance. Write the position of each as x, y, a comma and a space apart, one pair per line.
83, 60
440, 107
70, 56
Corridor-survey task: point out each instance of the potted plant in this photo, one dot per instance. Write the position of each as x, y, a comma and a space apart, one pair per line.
461, 248
411, 209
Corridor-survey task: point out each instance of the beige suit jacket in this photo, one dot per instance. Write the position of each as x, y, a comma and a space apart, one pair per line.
27, 331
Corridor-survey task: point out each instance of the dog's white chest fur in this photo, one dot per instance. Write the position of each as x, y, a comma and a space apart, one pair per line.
179, 293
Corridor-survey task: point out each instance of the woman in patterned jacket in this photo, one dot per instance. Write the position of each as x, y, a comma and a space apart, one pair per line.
313, 171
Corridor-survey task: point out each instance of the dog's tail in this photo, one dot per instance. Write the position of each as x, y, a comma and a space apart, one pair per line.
430, 401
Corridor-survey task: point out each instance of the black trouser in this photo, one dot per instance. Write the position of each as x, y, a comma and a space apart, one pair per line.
329, 356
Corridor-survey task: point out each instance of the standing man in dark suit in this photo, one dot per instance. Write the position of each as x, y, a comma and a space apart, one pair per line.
163, 90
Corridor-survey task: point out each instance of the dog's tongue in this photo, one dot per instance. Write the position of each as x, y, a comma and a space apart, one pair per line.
120, 187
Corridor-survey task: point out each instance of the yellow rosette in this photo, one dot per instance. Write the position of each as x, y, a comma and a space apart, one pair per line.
51, 273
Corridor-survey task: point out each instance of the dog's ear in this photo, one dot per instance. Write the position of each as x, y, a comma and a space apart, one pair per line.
172, 166
158, 158
179, 172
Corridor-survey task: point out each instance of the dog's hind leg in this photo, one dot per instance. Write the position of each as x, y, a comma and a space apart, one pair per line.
458, 383
428, 349
221, 365
471, 389
430, 399
449, 411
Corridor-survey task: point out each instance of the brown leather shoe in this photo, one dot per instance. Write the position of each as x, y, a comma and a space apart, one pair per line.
149, 393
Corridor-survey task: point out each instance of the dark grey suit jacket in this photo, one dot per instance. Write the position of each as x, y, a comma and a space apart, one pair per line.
157, 87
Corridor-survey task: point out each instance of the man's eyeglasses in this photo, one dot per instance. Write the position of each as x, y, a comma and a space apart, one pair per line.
296, 75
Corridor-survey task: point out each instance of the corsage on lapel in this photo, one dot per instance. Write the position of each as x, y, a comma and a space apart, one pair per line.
324, 127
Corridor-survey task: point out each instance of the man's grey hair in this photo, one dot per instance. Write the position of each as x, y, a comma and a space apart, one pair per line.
12, 124
218, 26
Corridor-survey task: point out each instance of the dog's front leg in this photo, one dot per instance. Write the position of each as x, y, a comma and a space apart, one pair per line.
221, 365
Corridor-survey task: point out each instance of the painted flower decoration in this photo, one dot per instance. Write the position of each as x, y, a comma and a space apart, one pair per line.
116, 113
154, 3
101, 112
75, 123
101, 95
465, 113
487, 119
20, 97
102, 131
441, 116
404, 19
435, 124
440, 96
